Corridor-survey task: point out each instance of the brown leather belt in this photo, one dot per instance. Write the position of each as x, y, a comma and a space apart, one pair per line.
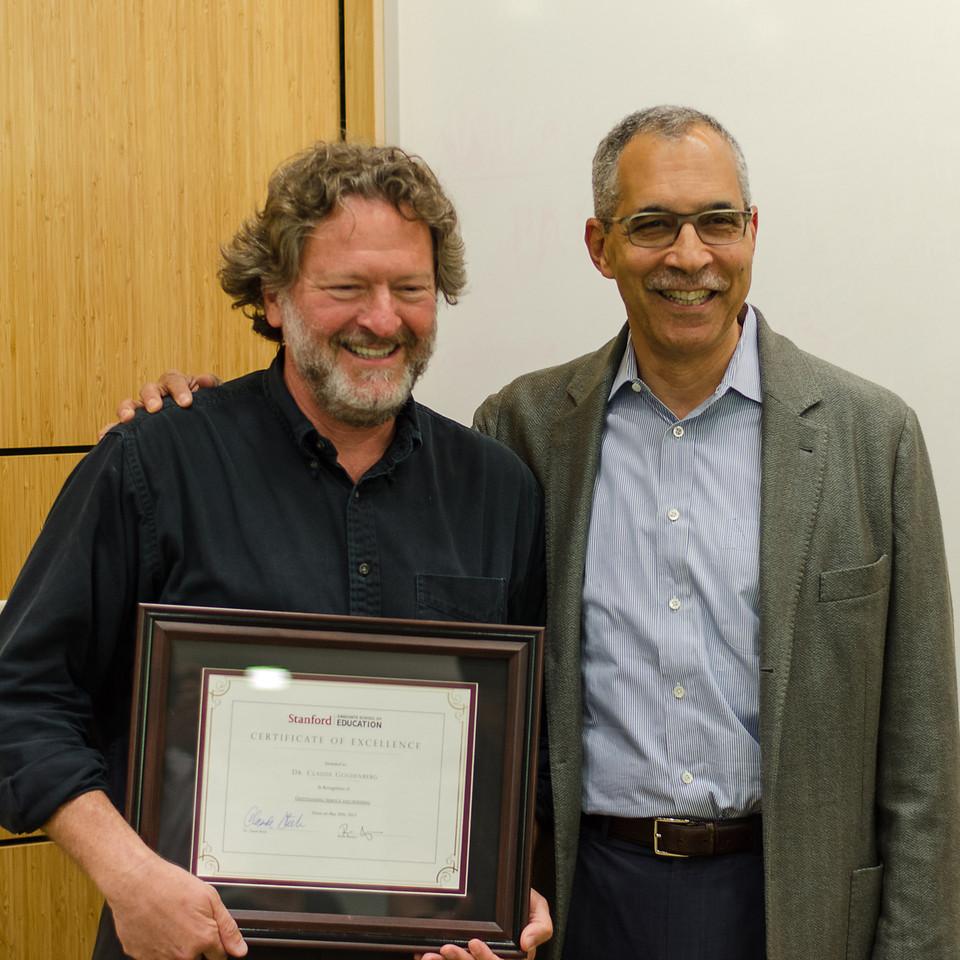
677, 837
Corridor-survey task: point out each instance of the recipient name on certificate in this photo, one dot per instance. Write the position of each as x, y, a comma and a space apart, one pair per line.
334, 782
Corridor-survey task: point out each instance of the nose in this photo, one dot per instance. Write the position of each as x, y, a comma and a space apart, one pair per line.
688, 252
379, 314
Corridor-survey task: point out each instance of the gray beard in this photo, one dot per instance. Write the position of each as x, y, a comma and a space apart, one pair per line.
368, 403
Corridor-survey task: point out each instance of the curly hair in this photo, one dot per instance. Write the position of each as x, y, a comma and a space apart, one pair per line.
264, 255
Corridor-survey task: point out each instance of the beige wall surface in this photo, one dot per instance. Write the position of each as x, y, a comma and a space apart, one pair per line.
135, 136
852, 167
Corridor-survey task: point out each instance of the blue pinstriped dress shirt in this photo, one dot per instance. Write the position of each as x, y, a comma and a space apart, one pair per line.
670, 624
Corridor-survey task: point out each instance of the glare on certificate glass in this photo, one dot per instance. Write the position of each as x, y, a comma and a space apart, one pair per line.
268, 678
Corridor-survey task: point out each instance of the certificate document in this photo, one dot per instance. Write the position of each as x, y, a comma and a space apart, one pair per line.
334, 782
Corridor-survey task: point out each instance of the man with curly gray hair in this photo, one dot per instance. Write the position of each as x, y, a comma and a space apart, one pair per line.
359, 375
316, 485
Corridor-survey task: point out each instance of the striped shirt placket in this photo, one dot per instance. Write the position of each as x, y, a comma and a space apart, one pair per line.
670, 595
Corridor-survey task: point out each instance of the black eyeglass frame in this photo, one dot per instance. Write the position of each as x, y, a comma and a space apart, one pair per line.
681, 219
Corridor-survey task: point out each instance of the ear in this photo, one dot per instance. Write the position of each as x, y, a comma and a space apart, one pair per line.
271, 309
596, 239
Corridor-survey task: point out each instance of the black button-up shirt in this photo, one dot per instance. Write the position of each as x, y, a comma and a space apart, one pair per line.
239, 502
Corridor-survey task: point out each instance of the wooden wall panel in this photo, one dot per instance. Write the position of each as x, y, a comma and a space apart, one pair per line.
136, 136
48, 907
363, 69
28, 486
6, 835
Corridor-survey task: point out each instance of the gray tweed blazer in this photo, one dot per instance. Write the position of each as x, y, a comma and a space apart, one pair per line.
858, 696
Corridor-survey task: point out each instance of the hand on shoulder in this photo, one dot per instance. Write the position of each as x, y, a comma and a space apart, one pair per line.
180, 386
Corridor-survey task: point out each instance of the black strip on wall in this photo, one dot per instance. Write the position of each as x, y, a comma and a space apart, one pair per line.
42, 451
343, 75
22, 841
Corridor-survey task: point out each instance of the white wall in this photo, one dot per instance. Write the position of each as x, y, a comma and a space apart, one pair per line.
847, 112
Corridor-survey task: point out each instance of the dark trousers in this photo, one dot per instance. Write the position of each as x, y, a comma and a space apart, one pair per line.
628, 902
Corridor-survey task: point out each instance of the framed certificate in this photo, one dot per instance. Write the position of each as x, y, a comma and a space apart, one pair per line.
342, 781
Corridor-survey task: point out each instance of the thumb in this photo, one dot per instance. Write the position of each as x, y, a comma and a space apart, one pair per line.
230, 935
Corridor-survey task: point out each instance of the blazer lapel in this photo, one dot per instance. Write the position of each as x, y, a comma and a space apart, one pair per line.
793, 461
573, 462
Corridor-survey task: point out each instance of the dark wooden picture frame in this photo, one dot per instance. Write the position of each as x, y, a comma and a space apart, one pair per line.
175, 644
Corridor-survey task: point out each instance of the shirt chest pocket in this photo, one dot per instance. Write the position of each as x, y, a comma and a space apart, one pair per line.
477, 599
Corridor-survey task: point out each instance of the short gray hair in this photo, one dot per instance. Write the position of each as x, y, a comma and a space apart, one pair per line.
668, 122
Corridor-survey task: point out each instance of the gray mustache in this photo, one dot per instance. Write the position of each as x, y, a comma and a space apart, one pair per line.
676, 280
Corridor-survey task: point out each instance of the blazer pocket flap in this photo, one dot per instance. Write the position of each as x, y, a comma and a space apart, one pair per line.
481, 599
855, 581
866, 889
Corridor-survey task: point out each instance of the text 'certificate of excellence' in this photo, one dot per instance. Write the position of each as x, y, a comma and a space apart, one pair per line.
334, 782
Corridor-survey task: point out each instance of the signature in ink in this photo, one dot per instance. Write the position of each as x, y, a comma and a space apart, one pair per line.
346, 832
260, 822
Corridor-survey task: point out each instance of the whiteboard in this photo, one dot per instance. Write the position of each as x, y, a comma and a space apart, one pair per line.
848, 116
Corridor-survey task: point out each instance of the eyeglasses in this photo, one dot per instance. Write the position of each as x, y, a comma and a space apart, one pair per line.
661, 229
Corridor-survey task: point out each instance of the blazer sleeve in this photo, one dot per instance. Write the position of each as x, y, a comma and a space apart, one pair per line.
486, 417
918, 762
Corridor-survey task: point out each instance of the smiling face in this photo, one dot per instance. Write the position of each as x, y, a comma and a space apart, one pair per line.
682, 301
360, 320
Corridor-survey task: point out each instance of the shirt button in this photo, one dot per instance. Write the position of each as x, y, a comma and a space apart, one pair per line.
678, 431
636, 386
686, 776
363, 568
313, 464
679, 692
673, 513
674, 603
356, 494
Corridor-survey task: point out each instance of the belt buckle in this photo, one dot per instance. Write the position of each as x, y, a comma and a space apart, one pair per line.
656, 837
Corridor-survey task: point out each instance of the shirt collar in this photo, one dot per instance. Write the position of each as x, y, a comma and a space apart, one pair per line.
742, 373
406, 438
